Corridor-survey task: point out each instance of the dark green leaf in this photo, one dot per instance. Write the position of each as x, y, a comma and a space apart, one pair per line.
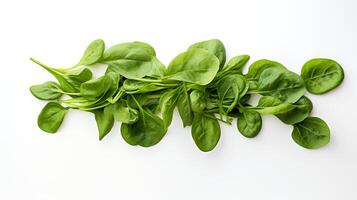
302, 109
249, 123
105, 121
312, 133
197, 101
184, 107
322, 75
167, 105
205, 132
271, 105
146, 132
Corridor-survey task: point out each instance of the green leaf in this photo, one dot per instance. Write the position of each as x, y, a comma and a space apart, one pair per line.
302, 109
195, 66
96, 87
105, 121
167, 105
131, 60
205, 132
93, 53
232, 87
312, 133
51, 117
280, 83
146, 132
215, 47
184, 107
123, 113
249, 123
136, 86
236, 64
271, 105
197, 101
259, 66
322, 75
46, 91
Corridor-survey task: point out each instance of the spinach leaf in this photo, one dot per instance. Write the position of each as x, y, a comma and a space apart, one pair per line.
232, 87
184, 107
46, 91
167, 105
197, 101
205, 131
136, 86
302, 109
282, 84
312, 133
123, 113
93, 53
195, 66
322, 75
259, 66
51, 117
131, 60
249, 123
96, 87
236, 64
146, 132
215, 47
105, 121
271, 105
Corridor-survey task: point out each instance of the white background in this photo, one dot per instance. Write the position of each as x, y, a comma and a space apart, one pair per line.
73, 164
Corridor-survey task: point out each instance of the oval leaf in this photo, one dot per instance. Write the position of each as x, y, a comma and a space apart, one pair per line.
205, 132
249, 123
46, 91
51, 117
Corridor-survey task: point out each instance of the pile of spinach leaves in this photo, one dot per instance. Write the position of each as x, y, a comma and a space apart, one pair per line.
138, 91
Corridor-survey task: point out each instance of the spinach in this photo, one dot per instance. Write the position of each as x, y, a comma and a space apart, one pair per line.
302, 109
146, 132
46, 91
205, 131
214, 47
51, 117
312, 133
272, 106
197, 101
167, 105
184, 107
321, 75
93, 53
105, 121
249, 123
194, 66
138, 91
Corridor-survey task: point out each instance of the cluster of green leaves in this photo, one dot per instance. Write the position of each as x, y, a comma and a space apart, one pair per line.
138, 91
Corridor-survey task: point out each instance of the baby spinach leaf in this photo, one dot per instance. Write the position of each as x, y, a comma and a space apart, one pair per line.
105, 121
93, 53
197, 101
205, 131
271, 105
123, 113
232, 87
157, 69
136, 86
96, 87
131, 60
184, 107
215, 47
51, 117
167, 105
302, 109
249, 123
312, 133
282, 84
322, 75
46, 91
259, 66
195, 66
236, 64
146, 132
